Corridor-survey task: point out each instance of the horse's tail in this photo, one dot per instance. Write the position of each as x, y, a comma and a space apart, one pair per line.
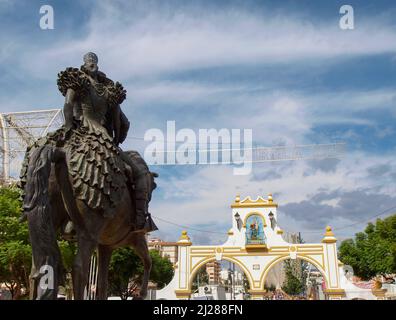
47, 265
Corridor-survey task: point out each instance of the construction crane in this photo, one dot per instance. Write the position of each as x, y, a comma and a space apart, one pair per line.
19, 129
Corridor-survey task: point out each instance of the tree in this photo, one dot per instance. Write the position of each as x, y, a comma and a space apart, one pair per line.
294, 283
126, 271
162, 271
201, 278
245, 283
68, 251
15, 250
296, 274
372, 252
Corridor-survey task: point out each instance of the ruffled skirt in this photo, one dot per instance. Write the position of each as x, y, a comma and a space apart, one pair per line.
97, 172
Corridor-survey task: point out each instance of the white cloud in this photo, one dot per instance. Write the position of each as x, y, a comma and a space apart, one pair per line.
211, 190
276, 116
135, 39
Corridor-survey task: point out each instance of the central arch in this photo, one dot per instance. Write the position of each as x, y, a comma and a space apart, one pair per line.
206, 260
286, 257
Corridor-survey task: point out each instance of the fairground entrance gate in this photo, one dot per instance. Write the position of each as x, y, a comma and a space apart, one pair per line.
255, 244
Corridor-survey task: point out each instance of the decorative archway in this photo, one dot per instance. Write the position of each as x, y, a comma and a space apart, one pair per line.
286, 257
255, 258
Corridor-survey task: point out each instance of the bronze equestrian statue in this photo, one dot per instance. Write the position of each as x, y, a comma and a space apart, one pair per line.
77, 180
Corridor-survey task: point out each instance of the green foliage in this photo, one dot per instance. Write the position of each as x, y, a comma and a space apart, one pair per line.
295, 280
15, 250
10, 210
68, 251
296, 275
201, 278
246, 284
162, 271
123, 266
126, 271
373, 251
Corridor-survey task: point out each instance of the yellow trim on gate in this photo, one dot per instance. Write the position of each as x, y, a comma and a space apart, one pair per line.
208, 259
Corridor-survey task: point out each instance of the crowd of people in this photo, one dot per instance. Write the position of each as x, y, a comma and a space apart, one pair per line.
279, 294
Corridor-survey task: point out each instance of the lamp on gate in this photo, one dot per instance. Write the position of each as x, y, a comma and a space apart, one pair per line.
238, 220
272, 220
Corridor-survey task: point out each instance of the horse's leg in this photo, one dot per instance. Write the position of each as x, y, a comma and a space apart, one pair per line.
66, 191
104, 256
42, 232
139, 243
86, 246
86, 243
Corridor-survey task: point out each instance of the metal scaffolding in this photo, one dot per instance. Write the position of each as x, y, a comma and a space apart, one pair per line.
17, 131
20, 129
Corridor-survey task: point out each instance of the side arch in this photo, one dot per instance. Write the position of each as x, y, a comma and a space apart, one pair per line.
285, 257
204, 261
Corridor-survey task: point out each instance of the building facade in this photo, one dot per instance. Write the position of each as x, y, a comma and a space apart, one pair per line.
213, 270
165, 249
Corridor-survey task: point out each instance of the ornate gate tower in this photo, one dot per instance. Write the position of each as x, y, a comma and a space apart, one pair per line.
255, 244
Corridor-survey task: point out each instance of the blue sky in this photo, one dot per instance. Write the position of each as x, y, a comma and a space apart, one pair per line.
281, 68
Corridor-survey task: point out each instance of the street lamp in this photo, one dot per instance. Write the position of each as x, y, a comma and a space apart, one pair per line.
238, 221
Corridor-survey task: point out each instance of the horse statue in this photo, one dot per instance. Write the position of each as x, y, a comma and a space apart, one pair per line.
76, 180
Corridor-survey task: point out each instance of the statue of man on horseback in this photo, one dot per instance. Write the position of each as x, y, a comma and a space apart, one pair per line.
78, 179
